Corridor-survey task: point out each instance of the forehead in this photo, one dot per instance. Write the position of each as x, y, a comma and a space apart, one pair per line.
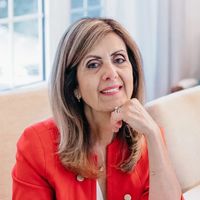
109, 43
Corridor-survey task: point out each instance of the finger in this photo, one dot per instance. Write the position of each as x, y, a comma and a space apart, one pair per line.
116, 119
116, 126
116, 115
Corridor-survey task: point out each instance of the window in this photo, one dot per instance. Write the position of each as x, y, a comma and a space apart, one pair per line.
84, 8
21, 42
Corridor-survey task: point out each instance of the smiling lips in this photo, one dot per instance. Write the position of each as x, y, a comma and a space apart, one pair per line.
111, 90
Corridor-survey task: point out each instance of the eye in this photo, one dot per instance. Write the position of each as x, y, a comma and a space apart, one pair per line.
119, 59
92, 65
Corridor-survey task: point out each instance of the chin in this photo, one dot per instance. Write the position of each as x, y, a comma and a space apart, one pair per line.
120, 102
116, 104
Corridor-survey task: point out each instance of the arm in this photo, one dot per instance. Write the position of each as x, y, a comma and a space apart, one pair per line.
163, 182
29, 171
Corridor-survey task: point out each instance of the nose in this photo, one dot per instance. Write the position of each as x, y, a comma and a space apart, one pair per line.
109, 72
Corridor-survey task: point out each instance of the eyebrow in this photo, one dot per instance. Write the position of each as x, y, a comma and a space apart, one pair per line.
92, 56
98, 57
121, 50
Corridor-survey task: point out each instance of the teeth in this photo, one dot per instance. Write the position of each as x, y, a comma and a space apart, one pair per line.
111, 90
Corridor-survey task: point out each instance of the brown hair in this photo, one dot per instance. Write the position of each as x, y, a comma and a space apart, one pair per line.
75, 138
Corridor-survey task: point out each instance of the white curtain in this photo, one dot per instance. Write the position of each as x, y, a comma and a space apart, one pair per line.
168, 35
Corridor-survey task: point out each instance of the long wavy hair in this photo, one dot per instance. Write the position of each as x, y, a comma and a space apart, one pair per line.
74, 132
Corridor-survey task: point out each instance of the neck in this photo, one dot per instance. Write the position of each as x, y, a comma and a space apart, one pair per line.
100, 126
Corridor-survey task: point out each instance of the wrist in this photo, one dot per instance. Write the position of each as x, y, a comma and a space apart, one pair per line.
153, 133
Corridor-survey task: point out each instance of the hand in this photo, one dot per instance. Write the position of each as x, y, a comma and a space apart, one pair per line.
134, 114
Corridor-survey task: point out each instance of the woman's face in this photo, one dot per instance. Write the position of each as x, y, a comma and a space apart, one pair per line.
104, 75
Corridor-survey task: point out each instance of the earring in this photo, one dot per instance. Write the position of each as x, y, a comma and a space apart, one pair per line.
77, 95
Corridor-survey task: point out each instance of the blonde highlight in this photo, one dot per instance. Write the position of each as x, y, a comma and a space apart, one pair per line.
75, 139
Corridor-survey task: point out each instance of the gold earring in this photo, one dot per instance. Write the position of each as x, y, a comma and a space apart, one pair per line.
77, 95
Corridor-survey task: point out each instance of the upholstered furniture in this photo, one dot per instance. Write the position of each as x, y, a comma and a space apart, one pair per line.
185, 84
179, 115
18, 109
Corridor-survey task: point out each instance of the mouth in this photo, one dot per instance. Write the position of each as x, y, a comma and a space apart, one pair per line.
111, 90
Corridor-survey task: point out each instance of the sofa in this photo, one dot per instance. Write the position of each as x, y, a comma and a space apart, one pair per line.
18, 109
177, 113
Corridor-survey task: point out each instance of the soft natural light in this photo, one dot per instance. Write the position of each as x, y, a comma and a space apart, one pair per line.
22, 46
21, 42
83, 8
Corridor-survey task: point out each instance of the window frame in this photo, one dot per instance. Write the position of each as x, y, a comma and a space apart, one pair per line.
55, 30
53, 23
10, 20
87, 8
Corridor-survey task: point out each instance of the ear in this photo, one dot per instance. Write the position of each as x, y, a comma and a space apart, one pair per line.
77, 94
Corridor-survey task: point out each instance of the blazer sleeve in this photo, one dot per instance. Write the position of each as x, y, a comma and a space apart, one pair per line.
142, 168
29, 172
145, 194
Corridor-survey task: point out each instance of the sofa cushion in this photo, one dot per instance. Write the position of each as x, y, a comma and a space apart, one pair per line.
18, 109
179, 115
193, 194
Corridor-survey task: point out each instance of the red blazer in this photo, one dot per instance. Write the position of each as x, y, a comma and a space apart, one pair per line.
39, 175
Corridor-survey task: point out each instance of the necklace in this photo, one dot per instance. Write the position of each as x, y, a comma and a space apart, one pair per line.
101, 168
101, 159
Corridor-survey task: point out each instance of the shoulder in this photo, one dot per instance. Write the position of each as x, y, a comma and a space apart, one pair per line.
45, 126
38, 142
44, 131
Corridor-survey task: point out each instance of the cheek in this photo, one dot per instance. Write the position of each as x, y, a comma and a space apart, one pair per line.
130, 88
129, 84
88, 89
84, 84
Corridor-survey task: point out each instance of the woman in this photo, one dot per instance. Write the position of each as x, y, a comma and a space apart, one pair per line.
95, 147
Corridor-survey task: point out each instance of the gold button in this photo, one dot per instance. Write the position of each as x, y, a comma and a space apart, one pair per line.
80, 178
127, 197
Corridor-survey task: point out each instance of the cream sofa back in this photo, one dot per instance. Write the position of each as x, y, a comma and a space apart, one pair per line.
179, 115
18, 109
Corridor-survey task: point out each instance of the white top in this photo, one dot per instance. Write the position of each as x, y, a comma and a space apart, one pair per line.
99, 192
